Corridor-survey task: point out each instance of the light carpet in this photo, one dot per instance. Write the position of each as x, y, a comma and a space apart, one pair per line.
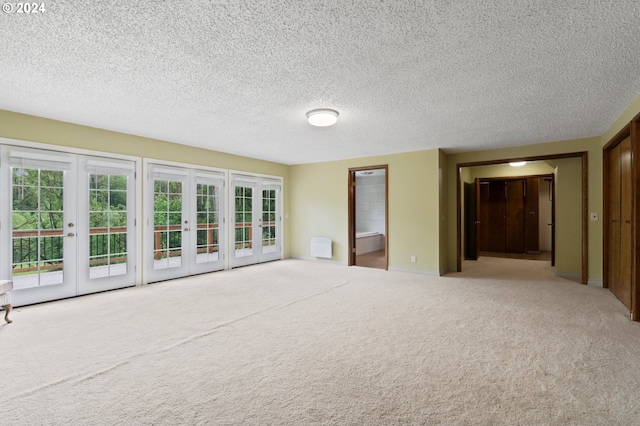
302, 343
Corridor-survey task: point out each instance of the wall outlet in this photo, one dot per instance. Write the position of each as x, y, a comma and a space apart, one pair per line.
413, 259
594, 217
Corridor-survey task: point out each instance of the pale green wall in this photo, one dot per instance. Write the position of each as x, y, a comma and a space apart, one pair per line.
569, 218
36, 129
444, 212
505, 170
319, 207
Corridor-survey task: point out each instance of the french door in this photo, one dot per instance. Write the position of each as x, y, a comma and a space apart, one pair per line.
71, 223
185, 225
257, 220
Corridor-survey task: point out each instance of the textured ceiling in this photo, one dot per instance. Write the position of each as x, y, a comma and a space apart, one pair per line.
405, 75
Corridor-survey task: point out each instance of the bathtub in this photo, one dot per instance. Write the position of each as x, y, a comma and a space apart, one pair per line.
369, 241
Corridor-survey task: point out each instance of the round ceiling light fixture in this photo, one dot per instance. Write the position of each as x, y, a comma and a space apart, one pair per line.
322, 117
517, 163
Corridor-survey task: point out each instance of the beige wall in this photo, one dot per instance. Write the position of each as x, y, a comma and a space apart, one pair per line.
319, 207
36, 129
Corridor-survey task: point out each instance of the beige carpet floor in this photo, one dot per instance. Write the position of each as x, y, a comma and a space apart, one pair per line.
300, 343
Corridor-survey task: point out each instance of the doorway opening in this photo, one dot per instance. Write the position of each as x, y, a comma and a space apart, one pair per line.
368, 217
510, 217
576, 226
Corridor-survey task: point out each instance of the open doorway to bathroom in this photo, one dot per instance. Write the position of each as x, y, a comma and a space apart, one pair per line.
368, 217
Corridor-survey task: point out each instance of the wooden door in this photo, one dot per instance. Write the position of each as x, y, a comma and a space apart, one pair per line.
620, 208
514, 216
532, 224
482, 190
626, 211
470, 222
497, 215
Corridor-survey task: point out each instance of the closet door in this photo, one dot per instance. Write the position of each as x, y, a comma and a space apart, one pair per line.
619, 211
515, 229
497, 215
532, 208
482, 194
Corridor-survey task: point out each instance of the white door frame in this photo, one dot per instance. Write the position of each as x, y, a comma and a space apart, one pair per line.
190, 175
258, 183
76, 222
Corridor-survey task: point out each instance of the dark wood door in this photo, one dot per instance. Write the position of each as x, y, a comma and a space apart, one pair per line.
514, 213
619, 209
626, 211
470, 222
482, 190
532, 220
497, 216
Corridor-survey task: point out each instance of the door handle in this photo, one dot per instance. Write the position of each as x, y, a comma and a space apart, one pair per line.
70, 234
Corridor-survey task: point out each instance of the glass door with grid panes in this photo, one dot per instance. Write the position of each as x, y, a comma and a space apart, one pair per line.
271, 220
107, 207
184, 226
256, 225
208, 219
69, 223
39, 189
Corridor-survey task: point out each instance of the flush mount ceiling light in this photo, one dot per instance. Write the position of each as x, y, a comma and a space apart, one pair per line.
322, 117
517, 163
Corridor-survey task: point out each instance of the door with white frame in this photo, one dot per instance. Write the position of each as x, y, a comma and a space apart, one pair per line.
107, 218
185, 223
46, 202
256, 220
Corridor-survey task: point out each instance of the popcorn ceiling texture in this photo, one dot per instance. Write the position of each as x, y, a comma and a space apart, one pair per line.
239, 76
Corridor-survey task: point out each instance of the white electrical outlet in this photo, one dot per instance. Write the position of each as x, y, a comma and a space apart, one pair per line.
413, 259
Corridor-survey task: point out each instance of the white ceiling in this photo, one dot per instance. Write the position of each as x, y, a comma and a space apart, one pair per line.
238, 76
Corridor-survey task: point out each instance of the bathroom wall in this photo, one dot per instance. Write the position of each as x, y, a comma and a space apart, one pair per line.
370, 202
